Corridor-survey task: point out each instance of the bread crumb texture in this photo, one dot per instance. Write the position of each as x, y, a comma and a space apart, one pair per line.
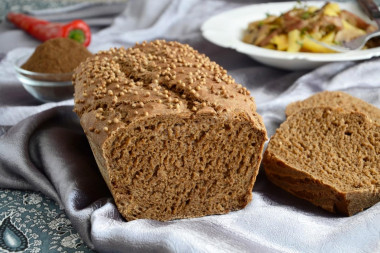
330, 157
174, 136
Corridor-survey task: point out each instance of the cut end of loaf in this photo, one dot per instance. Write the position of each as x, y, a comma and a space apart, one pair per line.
328, 157
179, 167
173, 134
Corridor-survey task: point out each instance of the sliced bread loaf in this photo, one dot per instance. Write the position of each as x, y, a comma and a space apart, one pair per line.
336, 99
173, 135
329, 157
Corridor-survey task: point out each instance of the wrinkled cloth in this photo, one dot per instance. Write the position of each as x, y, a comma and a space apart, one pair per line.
43, 148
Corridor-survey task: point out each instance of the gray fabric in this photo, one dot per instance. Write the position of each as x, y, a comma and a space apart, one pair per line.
48, 151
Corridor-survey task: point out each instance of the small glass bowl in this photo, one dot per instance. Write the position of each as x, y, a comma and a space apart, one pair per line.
45, 87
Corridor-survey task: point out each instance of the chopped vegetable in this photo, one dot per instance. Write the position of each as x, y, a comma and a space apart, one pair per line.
329, 38
312, 46
281, 42
294, 40
331, 9
44, 30
295, 30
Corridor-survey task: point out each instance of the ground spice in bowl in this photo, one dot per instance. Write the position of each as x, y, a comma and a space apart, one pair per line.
47, 73
60, 55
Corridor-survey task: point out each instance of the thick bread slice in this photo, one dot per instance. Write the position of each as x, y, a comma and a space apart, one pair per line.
336, 99
173, 135
329, 157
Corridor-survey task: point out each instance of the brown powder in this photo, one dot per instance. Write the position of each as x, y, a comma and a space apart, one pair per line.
60, 55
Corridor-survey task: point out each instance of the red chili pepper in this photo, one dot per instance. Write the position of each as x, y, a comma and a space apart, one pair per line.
43, 30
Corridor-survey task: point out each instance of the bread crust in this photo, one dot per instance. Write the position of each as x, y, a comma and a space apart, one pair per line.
336, 99
157, 89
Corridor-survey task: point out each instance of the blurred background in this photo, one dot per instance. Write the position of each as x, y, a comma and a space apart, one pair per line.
39, 6
98, 14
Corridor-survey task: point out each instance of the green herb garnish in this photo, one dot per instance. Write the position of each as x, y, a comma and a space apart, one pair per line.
306, 15
303, 31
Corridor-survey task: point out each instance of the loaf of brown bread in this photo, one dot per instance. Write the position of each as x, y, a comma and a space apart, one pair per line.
336, 99
173, 135
329, 157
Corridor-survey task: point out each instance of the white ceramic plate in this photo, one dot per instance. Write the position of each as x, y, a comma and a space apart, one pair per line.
226, 30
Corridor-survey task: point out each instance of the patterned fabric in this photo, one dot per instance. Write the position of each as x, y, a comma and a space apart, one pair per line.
31, 222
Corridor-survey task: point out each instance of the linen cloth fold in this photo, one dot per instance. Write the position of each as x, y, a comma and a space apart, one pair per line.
48, 152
